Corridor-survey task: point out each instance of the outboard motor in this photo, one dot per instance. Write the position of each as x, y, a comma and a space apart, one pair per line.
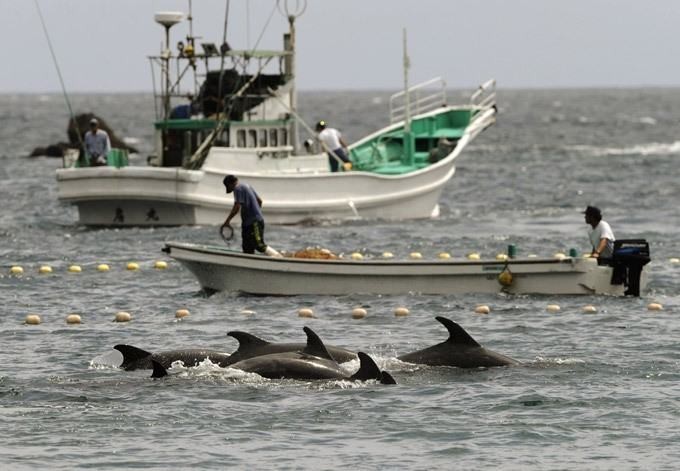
630, 255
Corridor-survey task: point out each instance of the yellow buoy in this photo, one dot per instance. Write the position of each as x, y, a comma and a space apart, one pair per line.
654, 307
473, 256
247, 312
32, 319
358, 313
532, 255
482, 309
502, 257
387, 255
505, 277
181, 313
160, 265
16, 270
559, 256
356, 256
415, 255
103, 267
401, 312
305, 312
123, 316
552, 308
444, 255
45, 269
589, 309
73, 319
74, 269
674, 260
132, 266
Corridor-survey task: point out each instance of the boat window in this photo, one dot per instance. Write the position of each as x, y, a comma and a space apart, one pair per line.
224, 136
241, 138
262, 142
284, 137
273, 138
252, 138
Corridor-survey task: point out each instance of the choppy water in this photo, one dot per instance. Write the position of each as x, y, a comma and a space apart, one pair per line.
596, 391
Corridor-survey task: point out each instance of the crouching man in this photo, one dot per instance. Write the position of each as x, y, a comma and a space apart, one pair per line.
249, 204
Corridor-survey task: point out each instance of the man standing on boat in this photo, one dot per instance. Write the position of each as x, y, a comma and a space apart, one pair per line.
332, 142
97, 144
247, 201
601, 235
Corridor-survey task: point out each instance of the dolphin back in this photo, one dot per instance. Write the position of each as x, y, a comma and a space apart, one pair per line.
459, 350
133, 357
252, 346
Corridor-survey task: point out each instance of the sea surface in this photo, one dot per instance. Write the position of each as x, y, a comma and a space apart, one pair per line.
594, 391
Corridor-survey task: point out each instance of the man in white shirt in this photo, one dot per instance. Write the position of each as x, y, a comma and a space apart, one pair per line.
601, 235
97, 144
332, 142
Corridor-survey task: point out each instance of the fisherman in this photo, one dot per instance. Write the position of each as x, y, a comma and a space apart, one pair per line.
247, 201
601, 235
97, 144
332, 142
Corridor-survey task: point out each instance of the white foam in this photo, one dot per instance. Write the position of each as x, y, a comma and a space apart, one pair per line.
108, 360
653, 148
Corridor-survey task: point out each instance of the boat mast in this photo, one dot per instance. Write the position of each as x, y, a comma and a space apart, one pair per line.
409, 145
289, 46
293, 91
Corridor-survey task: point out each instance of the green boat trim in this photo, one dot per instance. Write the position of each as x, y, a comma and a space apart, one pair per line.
397, 152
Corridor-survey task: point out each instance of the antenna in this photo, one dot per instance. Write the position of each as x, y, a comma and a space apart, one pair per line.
167, 19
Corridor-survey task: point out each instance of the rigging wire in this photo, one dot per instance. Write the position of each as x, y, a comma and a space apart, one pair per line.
264, 28
230, 104
61, 79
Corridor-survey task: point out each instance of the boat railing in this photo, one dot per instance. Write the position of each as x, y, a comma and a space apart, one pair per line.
485, 95
423, 97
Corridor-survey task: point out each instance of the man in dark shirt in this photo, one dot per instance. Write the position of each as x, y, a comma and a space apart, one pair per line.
248, 203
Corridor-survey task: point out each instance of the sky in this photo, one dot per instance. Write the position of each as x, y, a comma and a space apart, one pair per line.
102, 45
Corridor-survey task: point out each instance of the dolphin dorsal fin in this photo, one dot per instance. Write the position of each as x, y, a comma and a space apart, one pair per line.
367, 369
158, 370
386, 378
457, 334
247, 341
315, 346
131, 354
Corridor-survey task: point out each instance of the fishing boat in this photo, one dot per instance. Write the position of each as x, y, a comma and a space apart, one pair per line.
241, 118
221, 269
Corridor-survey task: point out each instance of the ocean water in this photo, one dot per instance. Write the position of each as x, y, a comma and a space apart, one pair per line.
595, 391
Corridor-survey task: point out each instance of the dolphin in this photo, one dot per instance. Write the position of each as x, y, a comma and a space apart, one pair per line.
137, 359
460, 350
251, 346
312, 363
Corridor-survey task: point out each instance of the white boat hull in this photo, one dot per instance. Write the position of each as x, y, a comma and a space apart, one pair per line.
220, 269
294, 189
